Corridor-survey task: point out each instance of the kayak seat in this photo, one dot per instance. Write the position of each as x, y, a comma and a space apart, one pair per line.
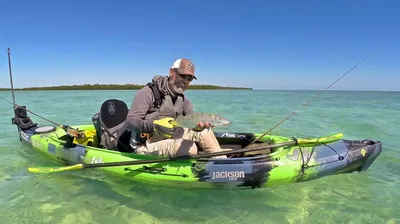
110, 124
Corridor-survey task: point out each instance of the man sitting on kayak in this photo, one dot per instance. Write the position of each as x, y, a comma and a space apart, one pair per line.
158, 103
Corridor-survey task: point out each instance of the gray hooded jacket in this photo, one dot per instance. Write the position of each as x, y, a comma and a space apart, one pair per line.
143, 111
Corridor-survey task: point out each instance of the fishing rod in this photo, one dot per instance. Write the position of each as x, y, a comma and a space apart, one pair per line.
294, 141
293, 113
70, 131
245, 149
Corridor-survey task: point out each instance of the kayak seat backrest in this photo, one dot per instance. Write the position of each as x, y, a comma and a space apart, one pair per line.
110, 123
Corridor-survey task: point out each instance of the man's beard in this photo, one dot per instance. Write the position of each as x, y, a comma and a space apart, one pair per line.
177, 89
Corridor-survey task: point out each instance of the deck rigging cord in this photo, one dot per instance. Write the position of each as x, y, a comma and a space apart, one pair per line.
15, 106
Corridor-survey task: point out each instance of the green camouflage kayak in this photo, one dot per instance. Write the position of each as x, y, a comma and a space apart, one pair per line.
308, 159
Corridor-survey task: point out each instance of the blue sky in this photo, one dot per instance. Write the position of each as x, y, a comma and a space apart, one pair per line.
258, 44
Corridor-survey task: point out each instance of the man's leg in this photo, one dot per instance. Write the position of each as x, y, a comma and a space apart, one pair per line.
169, 148
183, 144
206, 140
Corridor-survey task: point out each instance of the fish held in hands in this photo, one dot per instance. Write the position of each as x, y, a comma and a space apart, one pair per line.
191, 121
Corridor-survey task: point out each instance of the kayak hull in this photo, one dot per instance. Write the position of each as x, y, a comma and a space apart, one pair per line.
283, 165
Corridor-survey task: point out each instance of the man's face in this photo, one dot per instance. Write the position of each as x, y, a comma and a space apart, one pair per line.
179, 82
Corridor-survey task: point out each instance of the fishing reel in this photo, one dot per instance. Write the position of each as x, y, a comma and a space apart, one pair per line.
74, 133
71, 135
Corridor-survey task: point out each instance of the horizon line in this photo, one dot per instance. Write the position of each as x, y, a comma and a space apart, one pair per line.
211, 87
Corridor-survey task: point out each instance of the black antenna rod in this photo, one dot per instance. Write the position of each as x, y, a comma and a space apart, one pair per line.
11, 80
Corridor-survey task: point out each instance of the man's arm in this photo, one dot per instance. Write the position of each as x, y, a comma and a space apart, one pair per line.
187, 107
140, 105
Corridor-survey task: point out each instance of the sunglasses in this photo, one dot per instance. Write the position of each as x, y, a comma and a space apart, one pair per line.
184, 76
187, 77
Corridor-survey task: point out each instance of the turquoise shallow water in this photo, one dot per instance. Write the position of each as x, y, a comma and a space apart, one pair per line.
91, 196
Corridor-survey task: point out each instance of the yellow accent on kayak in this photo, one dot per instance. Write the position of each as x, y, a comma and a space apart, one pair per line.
315, 141
89, 138
54, 169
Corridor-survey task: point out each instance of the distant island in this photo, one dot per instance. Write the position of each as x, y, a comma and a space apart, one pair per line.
120, 87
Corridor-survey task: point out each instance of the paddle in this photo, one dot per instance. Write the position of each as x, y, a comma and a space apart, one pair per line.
296, 141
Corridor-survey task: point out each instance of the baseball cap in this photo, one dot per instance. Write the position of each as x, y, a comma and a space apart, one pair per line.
184, 66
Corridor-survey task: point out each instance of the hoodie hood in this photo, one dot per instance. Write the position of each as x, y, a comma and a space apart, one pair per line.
163, 85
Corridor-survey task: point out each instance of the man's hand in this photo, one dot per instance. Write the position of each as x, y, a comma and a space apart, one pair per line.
202, 125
